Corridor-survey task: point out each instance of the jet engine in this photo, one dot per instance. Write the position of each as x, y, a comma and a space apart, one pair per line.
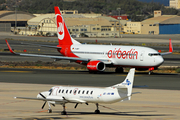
96, 66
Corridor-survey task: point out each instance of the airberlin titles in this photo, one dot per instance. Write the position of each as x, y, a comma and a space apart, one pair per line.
118, 53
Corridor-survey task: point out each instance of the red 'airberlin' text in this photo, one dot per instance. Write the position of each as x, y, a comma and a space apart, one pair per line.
118, 53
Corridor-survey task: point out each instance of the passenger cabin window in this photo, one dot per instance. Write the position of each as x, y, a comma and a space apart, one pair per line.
66, 91
62, 91
83, 92
70, 91
75, 91
59, 90
91, 92
87, 92
79, 92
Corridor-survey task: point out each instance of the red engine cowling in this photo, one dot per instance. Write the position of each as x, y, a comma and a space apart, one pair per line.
96, 66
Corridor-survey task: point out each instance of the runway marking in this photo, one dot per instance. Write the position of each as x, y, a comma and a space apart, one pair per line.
17, 71
126, 75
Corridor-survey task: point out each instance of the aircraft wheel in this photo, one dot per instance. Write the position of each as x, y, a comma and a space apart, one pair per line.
150, 72
63, 113
49, 111
97, 111
119, 70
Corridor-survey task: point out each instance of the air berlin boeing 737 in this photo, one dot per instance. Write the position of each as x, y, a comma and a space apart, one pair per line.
97, 57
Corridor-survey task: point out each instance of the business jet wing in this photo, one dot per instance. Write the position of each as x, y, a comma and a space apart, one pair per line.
54, 98
47, 56
59, 99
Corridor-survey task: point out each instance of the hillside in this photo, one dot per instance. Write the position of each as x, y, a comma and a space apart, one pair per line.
136, 10
164, 2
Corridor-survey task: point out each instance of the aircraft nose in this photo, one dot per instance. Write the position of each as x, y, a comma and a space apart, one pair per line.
39, 96
160, 60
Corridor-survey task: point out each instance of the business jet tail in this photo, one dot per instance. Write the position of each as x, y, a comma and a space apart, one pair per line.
125, 88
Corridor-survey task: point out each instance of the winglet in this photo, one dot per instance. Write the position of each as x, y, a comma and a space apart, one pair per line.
170, 46
10, 49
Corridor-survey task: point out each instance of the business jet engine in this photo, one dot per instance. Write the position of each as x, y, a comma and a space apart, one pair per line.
96, 66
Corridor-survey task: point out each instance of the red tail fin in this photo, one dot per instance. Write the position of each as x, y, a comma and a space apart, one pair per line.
170, 46
64, 37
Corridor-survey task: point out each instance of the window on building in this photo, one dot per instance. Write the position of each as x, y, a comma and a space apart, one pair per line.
73, 29
154, 24
94, 28
82, 29
150, 24
98, 28
77, 29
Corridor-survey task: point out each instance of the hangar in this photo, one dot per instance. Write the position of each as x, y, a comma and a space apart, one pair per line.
12, 17
165, 24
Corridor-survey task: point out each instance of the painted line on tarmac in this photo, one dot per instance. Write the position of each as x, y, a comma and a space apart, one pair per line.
17, 71
126, 75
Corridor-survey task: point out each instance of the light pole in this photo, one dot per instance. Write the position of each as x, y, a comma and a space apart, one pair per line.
15, 18
119, 9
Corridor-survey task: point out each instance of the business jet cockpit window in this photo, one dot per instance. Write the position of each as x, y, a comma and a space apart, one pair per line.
50, 91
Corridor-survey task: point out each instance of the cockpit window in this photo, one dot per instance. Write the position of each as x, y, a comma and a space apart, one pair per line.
50, 91
154, 54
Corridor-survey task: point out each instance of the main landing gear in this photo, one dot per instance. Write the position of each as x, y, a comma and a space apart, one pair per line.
64, 110
97, 111
119, 70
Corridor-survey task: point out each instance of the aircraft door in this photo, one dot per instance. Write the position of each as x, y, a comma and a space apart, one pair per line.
142, 56
55, 90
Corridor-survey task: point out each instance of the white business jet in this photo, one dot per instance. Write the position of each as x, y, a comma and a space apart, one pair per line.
98, 57
84, 95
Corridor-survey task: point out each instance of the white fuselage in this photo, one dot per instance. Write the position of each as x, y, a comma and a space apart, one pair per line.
87, 94
132, 56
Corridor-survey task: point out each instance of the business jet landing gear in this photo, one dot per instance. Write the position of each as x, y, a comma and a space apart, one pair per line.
64, 110
119, 70
97, 111
49, 110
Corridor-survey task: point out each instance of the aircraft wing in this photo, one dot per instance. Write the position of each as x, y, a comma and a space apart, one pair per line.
49, 46
170, 49
41, 99
106, 61
73, 100
47, 56
54, 98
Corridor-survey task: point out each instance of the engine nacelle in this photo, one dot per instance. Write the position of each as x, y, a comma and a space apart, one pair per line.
96, 66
